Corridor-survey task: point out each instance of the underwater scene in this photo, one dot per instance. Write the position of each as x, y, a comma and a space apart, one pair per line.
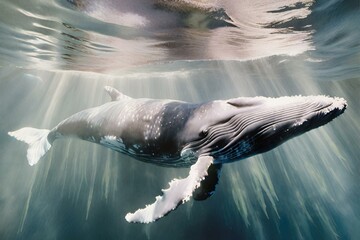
180, 58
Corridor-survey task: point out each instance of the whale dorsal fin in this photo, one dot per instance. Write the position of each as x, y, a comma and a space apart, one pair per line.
115, 94
180, 191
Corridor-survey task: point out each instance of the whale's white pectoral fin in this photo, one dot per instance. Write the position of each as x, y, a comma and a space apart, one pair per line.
180, 191
115, 94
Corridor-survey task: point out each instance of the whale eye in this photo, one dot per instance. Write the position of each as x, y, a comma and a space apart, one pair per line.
203, 133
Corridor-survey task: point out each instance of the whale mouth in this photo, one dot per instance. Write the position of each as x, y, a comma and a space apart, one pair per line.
313, 112
278, 120
336, 106
322, 110
262, 124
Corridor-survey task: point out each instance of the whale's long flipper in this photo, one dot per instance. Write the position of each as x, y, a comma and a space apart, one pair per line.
180, 191
115, 94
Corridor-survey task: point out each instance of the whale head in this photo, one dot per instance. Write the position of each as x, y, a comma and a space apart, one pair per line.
241, 127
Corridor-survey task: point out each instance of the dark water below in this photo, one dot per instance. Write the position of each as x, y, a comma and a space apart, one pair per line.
55, 59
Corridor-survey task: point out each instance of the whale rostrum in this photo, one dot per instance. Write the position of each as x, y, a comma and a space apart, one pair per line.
202, 136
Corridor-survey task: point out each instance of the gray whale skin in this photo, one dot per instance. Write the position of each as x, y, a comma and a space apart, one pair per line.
180, 134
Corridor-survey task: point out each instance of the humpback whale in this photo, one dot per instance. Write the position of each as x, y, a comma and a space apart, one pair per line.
172, 133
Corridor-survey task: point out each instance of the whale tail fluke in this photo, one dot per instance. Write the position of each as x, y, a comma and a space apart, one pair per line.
38, 142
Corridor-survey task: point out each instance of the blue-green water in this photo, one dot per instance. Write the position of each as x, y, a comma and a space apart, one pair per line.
55, 59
